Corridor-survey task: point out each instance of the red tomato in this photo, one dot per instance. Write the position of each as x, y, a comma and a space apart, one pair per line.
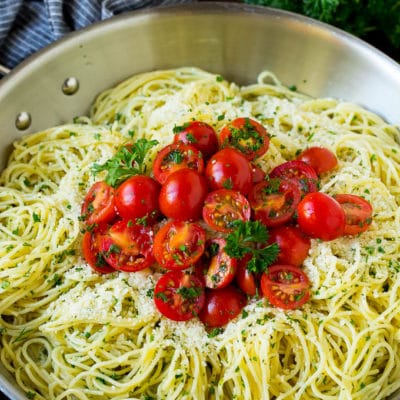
246, 135
321, 216
320, 159
177, 156
293, 245
198, 134
229, 169
257, 173
98, 204
358, 212
222, 207
182, 195
285, 286
305, 175
128, 246
91, 251
178, 244
179, 295
137, 197
221, 306
245, 279
274, 201
220, 268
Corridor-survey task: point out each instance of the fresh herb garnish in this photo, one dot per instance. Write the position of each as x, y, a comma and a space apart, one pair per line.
128, 161
189, 292
244, 239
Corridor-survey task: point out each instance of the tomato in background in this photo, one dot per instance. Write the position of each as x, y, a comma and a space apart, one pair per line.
321, 216
274, 201
300, 172
222, 207
285, 286
98, 204
179, 295
293, 244
320, 159
177, 156
137, 197
221, 306
128, 246
91, 250
182, 195
198, 134
358, 213
229, 169
178, 244
246, 135
257, 173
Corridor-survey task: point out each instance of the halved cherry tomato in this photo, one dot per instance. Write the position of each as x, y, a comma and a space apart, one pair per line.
247, 136
320, 159
177, 156
178, 244
358, 212
91, 250
221, 306
321, 216
293, 244
245, 279
198, 134
274, 201
137, 197
128, 246
285, 286
257, 173
302, 173
98, 204
222, 207
229, 169
179, 295
220, 268
182, 195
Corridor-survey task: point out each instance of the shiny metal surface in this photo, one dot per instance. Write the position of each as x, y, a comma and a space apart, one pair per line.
235, 40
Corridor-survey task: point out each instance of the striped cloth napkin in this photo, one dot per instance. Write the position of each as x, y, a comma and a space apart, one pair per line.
28, 25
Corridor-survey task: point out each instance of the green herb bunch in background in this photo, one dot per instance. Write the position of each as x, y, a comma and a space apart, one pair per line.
377, 21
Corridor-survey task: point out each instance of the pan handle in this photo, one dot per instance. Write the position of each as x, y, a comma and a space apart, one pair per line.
4, 70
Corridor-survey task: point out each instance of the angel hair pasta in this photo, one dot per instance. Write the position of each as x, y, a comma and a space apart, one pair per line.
68, 332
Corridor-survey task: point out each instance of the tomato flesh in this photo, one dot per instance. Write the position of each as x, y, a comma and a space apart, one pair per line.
179, 295
178, 244
128, 246
222, 207
285, 286
98, 204
358, 213
246, 135
221, 306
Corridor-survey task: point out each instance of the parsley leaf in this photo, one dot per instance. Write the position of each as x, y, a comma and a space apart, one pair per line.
128, 161
243, 240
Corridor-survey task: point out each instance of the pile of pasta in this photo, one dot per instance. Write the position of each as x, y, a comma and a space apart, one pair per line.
70, 333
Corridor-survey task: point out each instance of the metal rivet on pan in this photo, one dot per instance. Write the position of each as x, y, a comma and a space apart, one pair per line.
23, 120
70, 86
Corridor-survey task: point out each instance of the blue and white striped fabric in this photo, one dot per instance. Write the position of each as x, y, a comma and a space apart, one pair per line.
28, 25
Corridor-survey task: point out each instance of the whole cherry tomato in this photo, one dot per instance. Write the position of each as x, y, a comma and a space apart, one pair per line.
229, 169
293, 244
319, 158
285, 286
179, 295
221, 306
246, 135
321, 216
245, 279
177, 156
198, 134
182, 195
137, 197
257, 173
358, 212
